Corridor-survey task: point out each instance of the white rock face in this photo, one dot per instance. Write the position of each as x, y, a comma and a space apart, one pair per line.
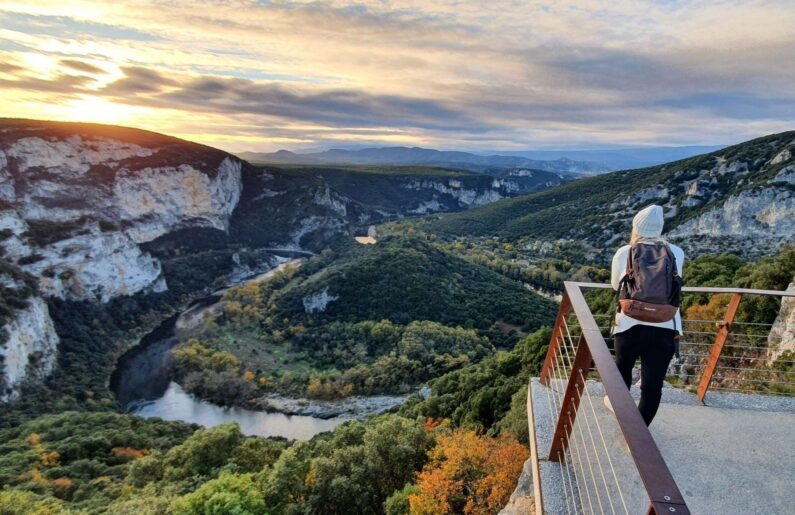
317, 302
104, 198
647, 195
510, 186
782, 156
786, 174
429, 206
72, 156
465, 197
160, 199
325, 197
765, 213
31, 346
96, 266
782, 335
521, 172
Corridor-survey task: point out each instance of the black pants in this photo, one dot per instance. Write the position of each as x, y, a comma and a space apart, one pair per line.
655, 347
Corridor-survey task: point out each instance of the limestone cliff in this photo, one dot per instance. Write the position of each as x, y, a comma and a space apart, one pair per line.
30, 347
466, 197
77, 200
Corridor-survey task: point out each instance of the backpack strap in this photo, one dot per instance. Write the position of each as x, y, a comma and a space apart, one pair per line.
674, 275
625, 279
628, 270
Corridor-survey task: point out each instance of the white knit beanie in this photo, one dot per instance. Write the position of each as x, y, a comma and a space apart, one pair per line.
648, 223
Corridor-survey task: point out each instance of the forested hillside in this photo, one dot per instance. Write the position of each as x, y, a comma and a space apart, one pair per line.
739, 199
375, 319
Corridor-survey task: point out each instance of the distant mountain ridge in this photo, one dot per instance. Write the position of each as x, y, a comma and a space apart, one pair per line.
580, 162
425, 157
620, 158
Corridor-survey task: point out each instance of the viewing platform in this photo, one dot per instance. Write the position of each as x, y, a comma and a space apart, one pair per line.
722, 441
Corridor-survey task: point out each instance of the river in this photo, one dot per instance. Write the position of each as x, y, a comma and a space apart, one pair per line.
143, 383
176, 404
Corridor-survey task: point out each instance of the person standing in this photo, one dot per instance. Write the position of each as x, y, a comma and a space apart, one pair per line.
647, 275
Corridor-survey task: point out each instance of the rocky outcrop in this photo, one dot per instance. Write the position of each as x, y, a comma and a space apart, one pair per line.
317, 302
522, 500
766, 211
75, 203
29, 349
95, 266
325, 197
466, 197
739, 200
782, 335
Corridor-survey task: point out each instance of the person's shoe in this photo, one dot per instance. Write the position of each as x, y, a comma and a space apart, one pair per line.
608, 405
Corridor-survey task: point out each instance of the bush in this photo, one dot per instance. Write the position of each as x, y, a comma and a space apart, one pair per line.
230, 494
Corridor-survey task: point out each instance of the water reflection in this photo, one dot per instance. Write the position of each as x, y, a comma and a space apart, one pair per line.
176, 404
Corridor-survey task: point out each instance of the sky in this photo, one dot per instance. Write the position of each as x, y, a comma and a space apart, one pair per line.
448, 74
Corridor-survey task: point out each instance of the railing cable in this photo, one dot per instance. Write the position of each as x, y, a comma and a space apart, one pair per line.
584, 415
573, 445
585, 446
607, 453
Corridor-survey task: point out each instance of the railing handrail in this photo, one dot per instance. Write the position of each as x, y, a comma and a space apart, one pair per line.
699, 289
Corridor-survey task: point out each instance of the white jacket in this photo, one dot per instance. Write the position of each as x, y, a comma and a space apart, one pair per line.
619, 269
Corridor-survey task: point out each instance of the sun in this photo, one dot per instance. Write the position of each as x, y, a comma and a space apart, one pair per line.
98, 110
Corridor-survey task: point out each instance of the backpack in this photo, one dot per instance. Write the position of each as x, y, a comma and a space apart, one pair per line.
651, 290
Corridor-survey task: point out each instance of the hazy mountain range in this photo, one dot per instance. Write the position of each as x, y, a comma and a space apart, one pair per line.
571, 161
424, 157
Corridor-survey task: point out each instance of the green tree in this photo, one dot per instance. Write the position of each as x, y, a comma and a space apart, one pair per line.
229, 494
16, 502
398, 502
203, 452
254, 454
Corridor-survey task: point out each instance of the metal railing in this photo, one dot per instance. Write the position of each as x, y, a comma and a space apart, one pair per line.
722, 355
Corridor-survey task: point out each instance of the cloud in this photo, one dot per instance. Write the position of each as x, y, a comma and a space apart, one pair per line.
81, 66
342, 108
137, 81
502, 74
11, 69
63, 85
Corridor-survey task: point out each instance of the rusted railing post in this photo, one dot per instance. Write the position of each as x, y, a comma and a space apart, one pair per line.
571, 400
717, 347
554, 346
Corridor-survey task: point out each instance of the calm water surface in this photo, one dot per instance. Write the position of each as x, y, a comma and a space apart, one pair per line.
176, 404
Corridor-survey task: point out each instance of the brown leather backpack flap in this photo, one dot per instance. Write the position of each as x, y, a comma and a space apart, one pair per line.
647, 312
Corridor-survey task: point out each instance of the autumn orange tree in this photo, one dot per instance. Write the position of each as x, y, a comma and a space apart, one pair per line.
468, 473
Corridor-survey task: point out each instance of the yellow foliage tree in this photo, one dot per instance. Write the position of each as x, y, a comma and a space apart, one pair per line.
129, 452
712, 313
468, 474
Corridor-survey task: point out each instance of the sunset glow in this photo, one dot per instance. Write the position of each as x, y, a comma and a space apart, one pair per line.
248, 75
